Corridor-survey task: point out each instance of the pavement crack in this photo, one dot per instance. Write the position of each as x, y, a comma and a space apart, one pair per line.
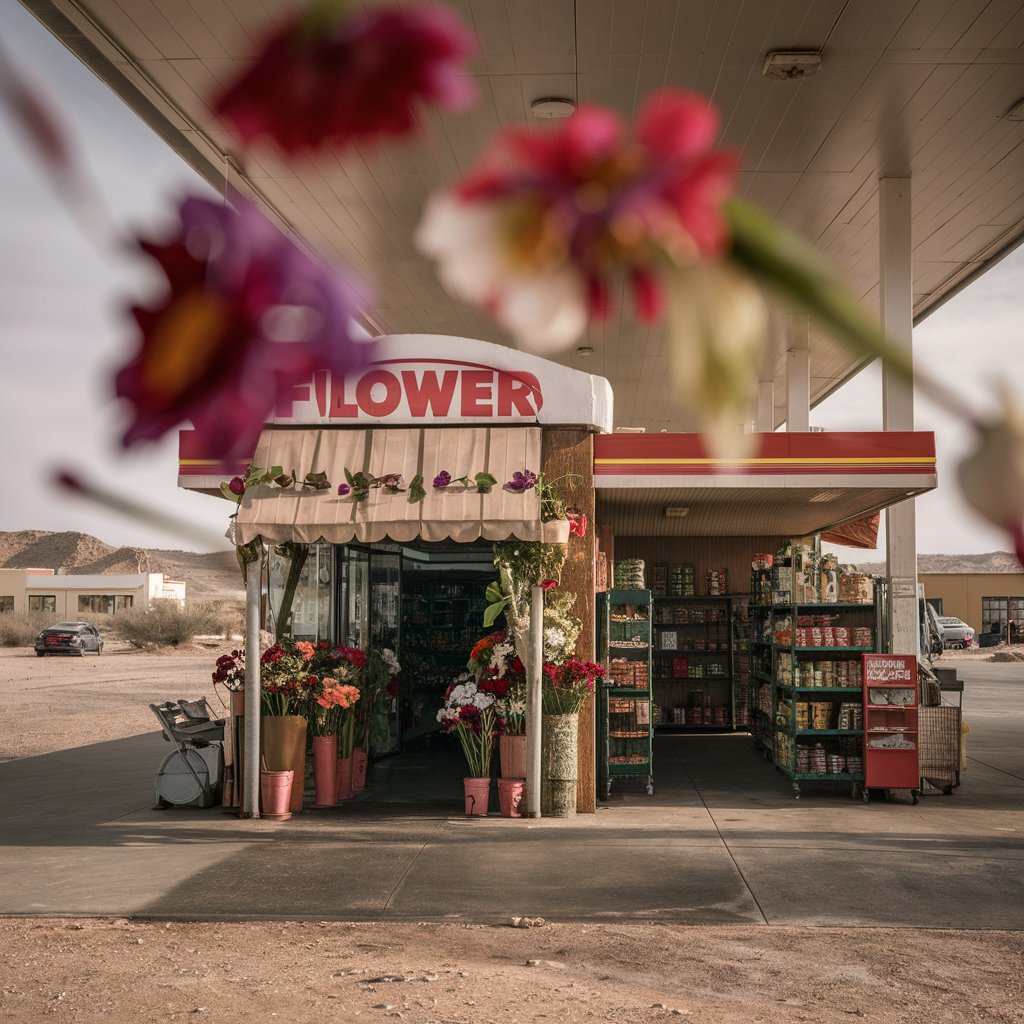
411, 864
739, 870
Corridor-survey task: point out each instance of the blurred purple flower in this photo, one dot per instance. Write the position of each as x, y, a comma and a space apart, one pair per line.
236, 485
332, 79
247, 316
521, 482
344, 489
443, 479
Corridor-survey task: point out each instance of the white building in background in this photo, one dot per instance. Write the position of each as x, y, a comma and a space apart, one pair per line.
69, 597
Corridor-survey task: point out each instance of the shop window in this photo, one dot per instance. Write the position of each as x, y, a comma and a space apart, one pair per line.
994, 612
104, 604
6, 603
42, 602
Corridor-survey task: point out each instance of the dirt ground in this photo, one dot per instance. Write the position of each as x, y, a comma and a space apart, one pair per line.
114, 970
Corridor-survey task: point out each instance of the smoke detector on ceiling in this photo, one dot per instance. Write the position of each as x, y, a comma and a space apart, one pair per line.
786, 65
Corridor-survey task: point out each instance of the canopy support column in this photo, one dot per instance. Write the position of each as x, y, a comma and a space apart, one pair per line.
798, 374
897, 316
251, 767
534, 706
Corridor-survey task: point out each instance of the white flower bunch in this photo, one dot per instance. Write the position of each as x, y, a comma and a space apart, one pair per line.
463, 692
556, 644
502, 656
390, 660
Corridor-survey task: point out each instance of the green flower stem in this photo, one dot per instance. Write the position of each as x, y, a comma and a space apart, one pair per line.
779, 260
478, 746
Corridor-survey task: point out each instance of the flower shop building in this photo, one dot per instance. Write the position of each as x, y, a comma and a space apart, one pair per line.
387, 566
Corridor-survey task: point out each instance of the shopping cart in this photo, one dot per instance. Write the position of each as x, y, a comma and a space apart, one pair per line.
941, 736
193, 772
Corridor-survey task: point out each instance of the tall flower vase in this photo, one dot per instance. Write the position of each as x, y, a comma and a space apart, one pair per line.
284, 749
343, 771
359, 760
325, 765
559, 765
512, 750
477, 794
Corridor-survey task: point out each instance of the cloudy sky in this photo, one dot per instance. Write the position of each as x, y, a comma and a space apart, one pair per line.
64, 328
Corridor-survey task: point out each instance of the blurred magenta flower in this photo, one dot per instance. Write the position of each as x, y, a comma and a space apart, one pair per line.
336, 74
247, 316
236, 485
539, 225
443, 479
343, 490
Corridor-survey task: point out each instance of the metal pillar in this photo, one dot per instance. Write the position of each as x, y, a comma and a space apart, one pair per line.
764, 420
897, 315
251, 768
534, 707
798, 374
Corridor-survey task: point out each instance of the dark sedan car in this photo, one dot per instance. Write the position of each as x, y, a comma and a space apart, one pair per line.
69, 638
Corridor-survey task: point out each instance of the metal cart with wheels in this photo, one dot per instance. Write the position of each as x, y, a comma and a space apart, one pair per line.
193, 772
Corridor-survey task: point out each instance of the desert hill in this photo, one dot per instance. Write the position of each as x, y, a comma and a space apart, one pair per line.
209, 575
992, 561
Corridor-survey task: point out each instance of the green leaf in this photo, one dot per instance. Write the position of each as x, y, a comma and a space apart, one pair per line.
349, 478
225, 489
274, 471
484, 482
492, 611
318, 481
493, 592
793, 269
416, 491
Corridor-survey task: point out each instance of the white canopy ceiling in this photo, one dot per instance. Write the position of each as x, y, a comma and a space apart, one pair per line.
906, 87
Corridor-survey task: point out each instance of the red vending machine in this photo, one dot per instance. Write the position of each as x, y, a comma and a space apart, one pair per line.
890, 723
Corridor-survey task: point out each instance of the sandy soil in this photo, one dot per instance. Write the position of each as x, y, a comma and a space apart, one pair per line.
115, 970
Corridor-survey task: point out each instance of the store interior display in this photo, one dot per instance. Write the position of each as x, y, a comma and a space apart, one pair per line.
806, 667
442, 615
693, 641
629, 574
625, 713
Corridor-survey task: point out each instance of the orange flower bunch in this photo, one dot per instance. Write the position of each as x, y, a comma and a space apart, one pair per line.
337, 695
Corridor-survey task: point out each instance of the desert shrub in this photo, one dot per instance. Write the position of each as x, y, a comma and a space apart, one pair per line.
20, 629
166, 624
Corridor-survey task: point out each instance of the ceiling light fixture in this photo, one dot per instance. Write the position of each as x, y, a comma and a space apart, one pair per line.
785, 65
676, 512
552, 108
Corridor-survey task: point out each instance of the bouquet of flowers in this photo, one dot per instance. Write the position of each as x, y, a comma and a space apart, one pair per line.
565, 687
335, 712
230, 671
345, 664
511, 709
470, 710
286, 683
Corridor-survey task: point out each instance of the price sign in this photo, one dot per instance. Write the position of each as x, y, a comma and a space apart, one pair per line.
890, 669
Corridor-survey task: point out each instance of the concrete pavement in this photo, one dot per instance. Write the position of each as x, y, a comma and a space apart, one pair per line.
721, 841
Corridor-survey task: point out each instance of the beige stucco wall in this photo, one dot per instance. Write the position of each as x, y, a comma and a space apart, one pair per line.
143, 588
961, 592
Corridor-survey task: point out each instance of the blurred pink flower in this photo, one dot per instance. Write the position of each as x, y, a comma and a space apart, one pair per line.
328, 79
247, 316
537, 228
